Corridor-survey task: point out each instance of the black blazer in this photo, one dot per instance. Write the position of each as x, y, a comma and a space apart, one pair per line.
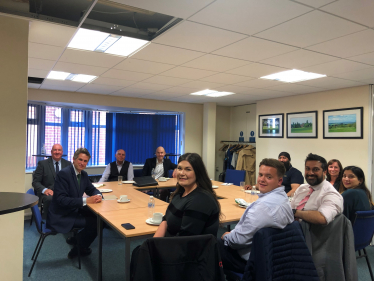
150, 164
67, 199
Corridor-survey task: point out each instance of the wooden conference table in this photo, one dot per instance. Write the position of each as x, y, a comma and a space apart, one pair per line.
136, 212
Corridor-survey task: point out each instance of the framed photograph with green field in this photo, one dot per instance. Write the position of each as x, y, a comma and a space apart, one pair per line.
302, 125
344, 123
270, 126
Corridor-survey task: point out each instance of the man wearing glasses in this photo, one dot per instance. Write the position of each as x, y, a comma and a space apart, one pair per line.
316, 202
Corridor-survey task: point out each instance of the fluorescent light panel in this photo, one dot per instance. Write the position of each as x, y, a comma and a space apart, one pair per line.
83, 78
203, 92
212, 93
98, 41
292, 76
59, 75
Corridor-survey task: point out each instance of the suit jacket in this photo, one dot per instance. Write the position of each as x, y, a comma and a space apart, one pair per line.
67, 199
45, 174
150, 164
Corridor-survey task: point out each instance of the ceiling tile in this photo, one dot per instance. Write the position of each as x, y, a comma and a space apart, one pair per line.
61, 85
90, 58
50, 34
296, 88
358, 11
164, 80
248, 16
188, 73
143, 66
348, 46
79, 68
310, 29
180, 8
198, 37
44, 51
315, 3
237, 89
41, 64
338, 66
298, 59
113, 82
215, 63
178, 91
259, 83
359, 75
226, 78
99, 89
33, 86
256, 70
165, 54
132, 92
150, 86
37, 73
365, 58
187, 98
126, 75
202, 85
254, 49
330, 83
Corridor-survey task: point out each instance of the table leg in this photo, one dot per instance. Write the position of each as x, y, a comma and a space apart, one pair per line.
100, 258
127, 259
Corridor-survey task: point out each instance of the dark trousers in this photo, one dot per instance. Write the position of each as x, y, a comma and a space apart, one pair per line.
231, 260
88, 221
46, 200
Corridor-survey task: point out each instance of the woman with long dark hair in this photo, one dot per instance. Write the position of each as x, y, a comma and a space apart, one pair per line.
334, 173
356, 195
194, 208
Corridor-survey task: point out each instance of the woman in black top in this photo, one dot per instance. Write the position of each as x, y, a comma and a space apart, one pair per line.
334, 173
356, 195
194, 208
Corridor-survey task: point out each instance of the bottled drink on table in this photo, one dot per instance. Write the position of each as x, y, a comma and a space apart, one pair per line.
151, 207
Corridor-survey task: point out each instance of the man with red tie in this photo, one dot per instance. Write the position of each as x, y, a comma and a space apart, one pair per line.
316, 202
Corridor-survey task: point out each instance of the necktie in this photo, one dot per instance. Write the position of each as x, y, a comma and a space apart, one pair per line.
306, 198
57, 167
79, 180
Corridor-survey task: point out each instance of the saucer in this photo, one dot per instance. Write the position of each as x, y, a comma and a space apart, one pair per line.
123, 201
214, 186
242, 206
103, 190
150, 221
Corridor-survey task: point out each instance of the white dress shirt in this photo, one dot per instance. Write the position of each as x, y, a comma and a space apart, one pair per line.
130, 172
159, 169
324, 199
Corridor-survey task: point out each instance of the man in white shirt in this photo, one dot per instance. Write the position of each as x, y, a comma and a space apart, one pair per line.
316, 202
120, 167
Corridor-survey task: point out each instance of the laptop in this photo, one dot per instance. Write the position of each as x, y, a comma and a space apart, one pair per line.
145, 181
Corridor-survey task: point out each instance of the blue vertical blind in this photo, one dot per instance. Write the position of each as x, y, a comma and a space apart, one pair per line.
140, 134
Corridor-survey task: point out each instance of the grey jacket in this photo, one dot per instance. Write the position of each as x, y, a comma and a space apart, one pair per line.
45, 174
332, 249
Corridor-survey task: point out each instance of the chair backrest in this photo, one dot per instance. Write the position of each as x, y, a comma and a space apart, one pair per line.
36, 213
234, 176
363, 229
280, 254
170, 173
193, 257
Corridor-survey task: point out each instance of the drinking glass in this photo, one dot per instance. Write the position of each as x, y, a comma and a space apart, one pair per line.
242, 184
119, 179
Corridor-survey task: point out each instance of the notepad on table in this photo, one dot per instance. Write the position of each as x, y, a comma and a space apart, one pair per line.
110, 197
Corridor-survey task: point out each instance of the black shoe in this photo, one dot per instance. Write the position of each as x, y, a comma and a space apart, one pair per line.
83, 251
71, 241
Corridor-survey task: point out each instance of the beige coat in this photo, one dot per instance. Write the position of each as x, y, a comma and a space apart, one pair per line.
247, 162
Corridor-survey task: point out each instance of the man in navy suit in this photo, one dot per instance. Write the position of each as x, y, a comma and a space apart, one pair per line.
68, 209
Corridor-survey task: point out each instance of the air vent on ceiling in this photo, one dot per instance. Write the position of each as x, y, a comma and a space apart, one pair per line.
35, 80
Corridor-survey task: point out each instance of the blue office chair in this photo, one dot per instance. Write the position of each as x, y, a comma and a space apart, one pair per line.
234, 176
138, 173
363, 230
44, 232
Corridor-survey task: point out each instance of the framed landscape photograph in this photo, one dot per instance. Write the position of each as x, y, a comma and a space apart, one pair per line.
345, 123
302, 124
270, 126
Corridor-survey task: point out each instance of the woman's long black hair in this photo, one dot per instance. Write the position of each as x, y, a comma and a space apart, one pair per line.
202, 178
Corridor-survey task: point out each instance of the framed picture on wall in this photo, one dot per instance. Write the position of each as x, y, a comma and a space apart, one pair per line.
270, 126
344, 123
302, 125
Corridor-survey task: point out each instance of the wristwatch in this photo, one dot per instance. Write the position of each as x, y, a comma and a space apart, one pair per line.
294, 211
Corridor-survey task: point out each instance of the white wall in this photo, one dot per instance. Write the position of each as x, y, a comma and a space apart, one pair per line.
209, 137
348, 151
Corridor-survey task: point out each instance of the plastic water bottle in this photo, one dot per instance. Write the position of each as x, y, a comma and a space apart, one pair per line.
151, 207
43, 149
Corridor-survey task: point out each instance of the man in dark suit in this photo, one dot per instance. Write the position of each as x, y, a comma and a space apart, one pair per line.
160, 168
68, 209
44, 176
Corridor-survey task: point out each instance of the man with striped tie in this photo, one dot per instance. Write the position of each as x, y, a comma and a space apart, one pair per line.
316, 202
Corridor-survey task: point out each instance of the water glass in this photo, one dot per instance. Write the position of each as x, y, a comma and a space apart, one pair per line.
119, 179
242, 184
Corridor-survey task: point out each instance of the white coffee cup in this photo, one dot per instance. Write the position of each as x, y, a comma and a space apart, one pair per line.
123, 198
157, 217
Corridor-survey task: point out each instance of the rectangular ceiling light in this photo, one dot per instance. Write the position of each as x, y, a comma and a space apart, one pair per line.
203, 92
86, 39
83, 78
109, 41
292, 76
219, 94
126, 46
58, 75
